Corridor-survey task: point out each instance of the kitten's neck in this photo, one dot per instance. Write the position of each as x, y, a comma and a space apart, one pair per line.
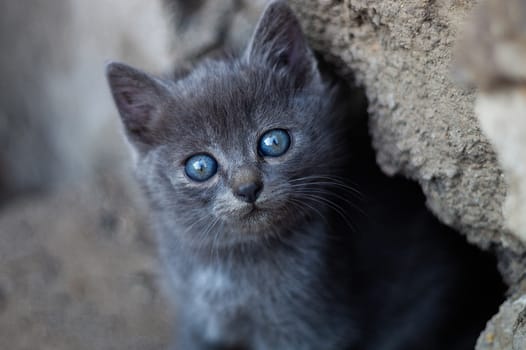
309, 236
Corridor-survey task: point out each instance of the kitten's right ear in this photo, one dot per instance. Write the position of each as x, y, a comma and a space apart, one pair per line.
278, 41
139, 98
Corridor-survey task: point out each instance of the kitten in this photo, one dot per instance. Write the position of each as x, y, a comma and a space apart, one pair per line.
243, 161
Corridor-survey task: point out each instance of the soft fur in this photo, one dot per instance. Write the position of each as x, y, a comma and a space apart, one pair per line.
286, 272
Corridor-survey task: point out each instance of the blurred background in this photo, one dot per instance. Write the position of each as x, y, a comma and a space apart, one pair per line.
78, 265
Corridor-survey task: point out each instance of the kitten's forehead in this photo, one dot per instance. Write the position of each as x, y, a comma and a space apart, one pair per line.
223, 103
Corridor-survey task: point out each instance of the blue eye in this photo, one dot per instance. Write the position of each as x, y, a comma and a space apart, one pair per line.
274, 143
200, 167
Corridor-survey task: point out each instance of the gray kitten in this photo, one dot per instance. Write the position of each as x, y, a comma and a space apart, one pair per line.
243, 161
236, 158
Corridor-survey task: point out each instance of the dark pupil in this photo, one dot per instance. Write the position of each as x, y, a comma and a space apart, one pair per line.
274, 143
271, 141
200, 166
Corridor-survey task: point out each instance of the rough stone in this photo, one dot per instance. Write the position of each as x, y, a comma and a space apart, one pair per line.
492, 57
506, 330
423, 122
501, 114
423, 125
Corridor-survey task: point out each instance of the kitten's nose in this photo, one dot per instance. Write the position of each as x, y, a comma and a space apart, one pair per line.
248, 192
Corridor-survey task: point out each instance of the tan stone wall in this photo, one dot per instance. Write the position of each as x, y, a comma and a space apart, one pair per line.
466, 149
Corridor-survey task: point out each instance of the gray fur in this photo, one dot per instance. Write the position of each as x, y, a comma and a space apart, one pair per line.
260, 280
295, 273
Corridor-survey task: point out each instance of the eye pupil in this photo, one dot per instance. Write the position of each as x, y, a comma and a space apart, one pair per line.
271, 141
274, 143
201, 167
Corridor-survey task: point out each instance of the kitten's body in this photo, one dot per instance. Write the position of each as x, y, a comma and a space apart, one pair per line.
263, 286
296, 266
269, 297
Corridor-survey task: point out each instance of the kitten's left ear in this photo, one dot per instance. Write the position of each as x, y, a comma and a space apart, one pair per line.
139, 98
278, 42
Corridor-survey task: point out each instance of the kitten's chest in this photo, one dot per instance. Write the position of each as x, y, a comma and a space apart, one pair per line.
221, 294
214, 300
214, 288
229, 291
274, 294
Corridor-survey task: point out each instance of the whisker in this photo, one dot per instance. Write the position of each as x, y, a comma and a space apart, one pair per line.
323, 192
301, 205
338, 209
325, 180
352, 190
214, 246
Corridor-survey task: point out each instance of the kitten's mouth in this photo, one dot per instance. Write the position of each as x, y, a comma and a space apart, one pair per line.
254, 218
251, 211
253, 214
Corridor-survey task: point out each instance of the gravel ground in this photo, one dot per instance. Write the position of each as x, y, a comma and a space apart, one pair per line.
78, 270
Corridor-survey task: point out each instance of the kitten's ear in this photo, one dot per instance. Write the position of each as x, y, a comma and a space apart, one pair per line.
139, 98
278, 41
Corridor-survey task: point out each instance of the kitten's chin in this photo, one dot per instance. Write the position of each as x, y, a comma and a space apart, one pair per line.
256, 222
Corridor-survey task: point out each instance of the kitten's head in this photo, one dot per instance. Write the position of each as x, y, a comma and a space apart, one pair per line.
238, 149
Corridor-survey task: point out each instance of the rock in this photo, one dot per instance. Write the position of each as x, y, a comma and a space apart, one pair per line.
502, 115
506, 330
423, 122
492, 57
423, 125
